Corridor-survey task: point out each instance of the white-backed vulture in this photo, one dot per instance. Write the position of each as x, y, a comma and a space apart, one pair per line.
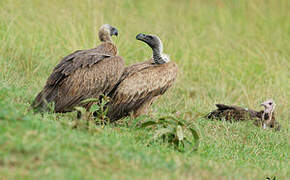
264, 118
81, 75
142, 83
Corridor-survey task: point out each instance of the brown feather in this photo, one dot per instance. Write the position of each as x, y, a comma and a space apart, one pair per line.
81, 75
236, 113
104, 34
231, 113
272, 124
139, 86
89, 82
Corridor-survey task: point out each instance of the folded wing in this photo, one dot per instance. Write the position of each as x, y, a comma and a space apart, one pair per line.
139, 85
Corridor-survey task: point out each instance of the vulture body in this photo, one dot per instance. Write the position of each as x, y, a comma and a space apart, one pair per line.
81, 75
264, 118
142, 83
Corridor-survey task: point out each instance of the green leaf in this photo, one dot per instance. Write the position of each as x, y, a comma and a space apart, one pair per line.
179, 133
106, 111
148, 123
103, 103
180, 146
171, 120
196, 138
162, 121
90, 100
94, 107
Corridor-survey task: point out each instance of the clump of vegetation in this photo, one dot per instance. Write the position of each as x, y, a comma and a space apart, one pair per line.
97, 113
174, 131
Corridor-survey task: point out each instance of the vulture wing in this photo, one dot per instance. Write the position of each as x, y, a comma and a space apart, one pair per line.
232, 113
140, 84
72, 62
89, 82
80, 65
227, 107
80, 59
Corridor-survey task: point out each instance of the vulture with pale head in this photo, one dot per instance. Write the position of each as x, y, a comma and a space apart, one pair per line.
264, 118
142, 83
81, 75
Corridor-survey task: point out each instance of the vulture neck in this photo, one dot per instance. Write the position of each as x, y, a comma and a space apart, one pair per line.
158, 57
104, 36
267, 121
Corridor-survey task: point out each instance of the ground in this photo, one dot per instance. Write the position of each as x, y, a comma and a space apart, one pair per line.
233, 52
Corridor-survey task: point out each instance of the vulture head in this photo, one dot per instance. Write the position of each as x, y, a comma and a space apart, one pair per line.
106, 31
155, 43
269, 106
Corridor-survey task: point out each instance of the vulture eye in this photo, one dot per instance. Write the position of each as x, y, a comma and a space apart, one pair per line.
270, 103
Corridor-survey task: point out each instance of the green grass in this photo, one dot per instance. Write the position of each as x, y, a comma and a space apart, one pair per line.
234, 52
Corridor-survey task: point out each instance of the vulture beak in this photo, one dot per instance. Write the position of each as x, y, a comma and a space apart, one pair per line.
114, 31
140, 37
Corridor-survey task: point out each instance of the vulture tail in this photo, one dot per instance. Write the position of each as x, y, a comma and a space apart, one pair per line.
42, 101
223, 107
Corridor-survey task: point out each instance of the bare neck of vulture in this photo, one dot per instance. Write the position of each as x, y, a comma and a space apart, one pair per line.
267, 117
158, 56
104, 35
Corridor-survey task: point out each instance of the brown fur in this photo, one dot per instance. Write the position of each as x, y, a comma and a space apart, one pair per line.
81, 75
139, 86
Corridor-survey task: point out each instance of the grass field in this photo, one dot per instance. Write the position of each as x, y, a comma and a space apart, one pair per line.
234, 52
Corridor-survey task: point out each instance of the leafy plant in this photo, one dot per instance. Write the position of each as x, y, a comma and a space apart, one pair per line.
97, 113
174, 131
100, 110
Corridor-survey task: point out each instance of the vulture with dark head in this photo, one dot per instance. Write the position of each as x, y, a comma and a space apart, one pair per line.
81, 75
264, 118
142, 83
